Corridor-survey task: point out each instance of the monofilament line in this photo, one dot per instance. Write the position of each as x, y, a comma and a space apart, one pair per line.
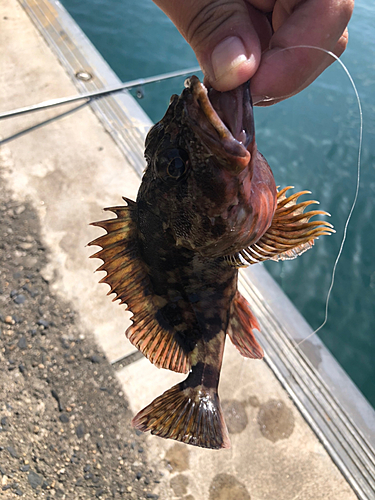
331, 54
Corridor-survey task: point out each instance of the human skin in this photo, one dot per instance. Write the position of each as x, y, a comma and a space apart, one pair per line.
235, 40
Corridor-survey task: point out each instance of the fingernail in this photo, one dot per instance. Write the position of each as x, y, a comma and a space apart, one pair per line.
226, 56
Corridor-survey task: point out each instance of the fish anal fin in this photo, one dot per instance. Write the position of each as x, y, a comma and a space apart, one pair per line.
241, 323
291, 232
157, 344
190, 415
128, 278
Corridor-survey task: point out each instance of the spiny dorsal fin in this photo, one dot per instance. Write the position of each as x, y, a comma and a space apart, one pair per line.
128, 278
290, 234
241, 323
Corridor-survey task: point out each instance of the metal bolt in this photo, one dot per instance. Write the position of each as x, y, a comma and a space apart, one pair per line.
140, 93
85, 76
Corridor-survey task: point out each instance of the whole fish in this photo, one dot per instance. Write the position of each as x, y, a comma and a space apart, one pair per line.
207, 205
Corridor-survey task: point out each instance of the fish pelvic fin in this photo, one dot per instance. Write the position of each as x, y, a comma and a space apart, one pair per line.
128, 278
291, 232
192, 415
241, 323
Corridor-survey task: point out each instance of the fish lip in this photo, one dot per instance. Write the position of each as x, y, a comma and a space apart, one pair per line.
238, 151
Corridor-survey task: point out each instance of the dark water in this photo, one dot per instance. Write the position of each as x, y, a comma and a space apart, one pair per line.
310, 141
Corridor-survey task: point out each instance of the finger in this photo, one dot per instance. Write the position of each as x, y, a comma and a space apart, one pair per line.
337, 51
317, 23
222, 35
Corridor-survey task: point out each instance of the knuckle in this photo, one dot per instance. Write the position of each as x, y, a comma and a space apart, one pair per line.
209, 18
342, 43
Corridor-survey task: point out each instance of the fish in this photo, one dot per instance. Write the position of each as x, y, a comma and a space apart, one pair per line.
207, 205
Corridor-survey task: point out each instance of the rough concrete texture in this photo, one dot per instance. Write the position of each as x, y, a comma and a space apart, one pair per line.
70, 169
64, 420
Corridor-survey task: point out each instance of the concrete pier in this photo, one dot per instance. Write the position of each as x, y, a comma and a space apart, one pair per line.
68, 165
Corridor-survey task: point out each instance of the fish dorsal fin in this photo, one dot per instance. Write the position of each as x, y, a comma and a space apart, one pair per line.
291, 232
241, 323
128, 278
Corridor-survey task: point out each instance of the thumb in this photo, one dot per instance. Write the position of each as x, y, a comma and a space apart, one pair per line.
222, 36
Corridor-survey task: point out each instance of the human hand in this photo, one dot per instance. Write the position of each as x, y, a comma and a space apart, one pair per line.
241, 39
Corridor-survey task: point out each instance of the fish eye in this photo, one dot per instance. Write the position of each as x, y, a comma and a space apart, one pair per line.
176, 168
172, 163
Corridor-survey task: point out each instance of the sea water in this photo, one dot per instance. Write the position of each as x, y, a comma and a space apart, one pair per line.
310, 142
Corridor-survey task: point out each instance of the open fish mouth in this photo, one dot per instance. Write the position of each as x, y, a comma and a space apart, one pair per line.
228, 116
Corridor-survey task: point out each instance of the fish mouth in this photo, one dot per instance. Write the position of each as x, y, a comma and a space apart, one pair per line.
225, 119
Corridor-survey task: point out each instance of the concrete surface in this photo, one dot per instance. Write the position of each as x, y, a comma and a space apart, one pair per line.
70, 168
274, 454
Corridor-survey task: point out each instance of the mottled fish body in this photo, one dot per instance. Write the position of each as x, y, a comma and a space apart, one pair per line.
207, 205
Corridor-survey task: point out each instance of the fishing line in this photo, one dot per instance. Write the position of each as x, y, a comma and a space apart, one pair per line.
333, 275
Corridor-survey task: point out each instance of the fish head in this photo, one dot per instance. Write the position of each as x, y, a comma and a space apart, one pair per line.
205, 178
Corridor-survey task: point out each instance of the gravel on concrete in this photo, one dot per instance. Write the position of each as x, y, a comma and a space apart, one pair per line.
64, 422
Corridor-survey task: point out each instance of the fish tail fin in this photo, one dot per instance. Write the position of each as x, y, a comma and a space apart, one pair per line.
192, 415
241, 323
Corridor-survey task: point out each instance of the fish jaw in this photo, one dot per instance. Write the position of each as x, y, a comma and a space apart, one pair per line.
224, 119
245, 187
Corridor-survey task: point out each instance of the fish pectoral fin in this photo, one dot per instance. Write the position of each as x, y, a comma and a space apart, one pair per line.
291, 232
128, 278
241, 323
190, 415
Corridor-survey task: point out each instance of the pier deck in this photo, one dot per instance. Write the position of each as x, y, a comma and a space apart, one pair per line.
70, 162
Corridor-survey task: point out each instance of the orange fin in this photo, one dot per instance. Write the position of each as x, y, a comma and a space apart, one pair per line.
290, 234
128, 278
191, 415
242, 322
